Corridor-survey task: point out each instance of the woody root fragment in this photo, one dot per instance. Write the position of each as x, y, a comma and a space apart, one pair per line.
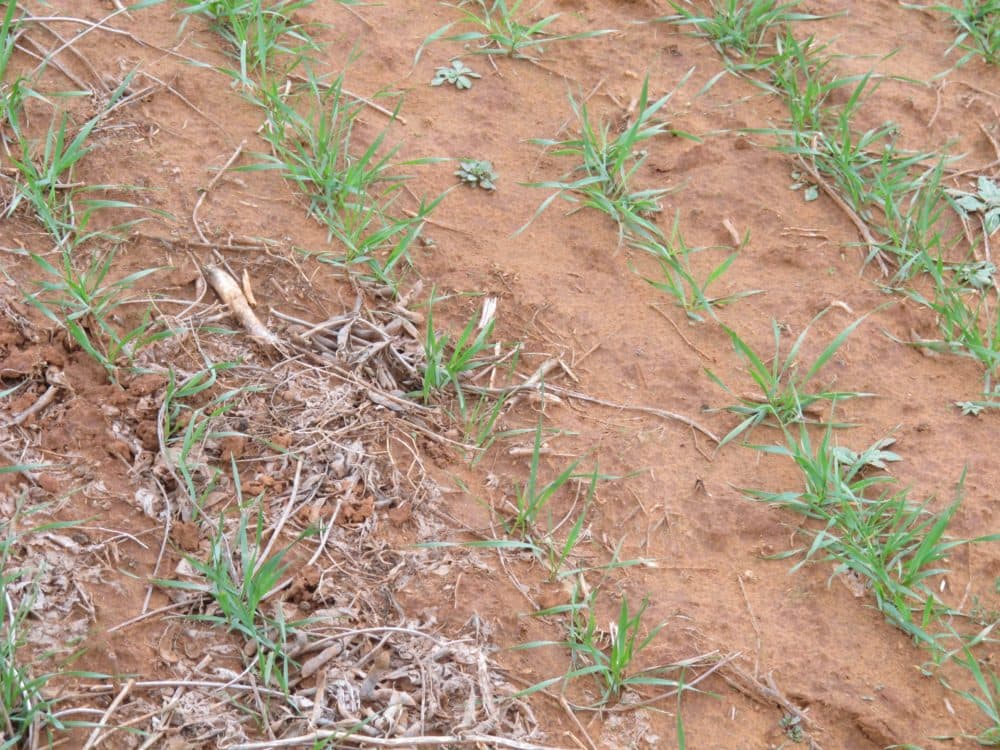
229, 292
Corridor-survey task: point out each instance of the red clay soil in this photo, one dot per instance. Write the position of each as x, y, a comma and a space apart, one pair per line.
566, 288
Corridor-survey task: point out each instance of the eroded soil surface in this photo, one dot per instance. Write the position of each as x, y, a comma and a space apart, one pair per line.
424, 633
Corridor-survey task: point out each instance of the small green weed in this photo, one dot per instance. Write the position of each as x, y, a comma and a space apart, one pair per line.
82, 300
739, 29
314, 150
894, 194
612, 666
11, 93
84, 303
543, 544
609, 657
975, 408
447, 362
968, 319
883, 543
803, 75
897, 197
978, 23
499, 31
186, 428
792, 727
258, 32
238, 581
458, 75
26, 704
608, 163
881, 185
480, 420
46, 182
827, 470
522, 518
876, 456
23, 705
352, 194
985, 696
477, 173
677, 279
532, 497
985, 201
894, 546
785, 395
978, 275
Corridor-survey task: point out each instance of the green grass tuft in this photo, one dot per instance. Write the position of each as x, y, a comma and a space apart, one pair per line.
608, 162
786, 397
501, 30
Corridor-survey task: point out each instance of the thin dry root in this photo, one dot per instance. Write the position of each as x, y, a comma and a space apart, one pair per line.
229, 292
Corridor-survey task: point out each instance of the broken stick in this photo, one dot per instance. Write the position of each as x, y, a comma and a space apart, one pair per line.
230, 293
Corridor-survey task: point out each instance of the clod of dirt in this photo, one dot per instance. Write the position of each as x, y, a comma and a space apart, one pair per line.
51, 483
232, 447
120, 449
186, 535
357, 510
24, 401
182, 276
304, 585
877, 730
439, 454
282, 439
21, 364
400, 515
146, 432
144, 385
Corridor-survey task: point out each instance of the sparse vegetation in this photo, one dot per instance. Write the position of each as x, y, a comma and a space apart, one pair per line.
75, 294
27, 706
502, 29
352, 190
969, 321
740, 30
978, 26
184, 428
785, 395
677, 277
11, 92
258, 33
898, 202
447, 362
534, 496
238, 581
608, 162
265, 515
610, 656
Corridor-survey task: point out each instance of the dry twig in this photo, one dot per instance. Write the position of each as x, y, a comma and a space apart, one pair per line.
92, 740
230, 293
874, 251
203, 193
